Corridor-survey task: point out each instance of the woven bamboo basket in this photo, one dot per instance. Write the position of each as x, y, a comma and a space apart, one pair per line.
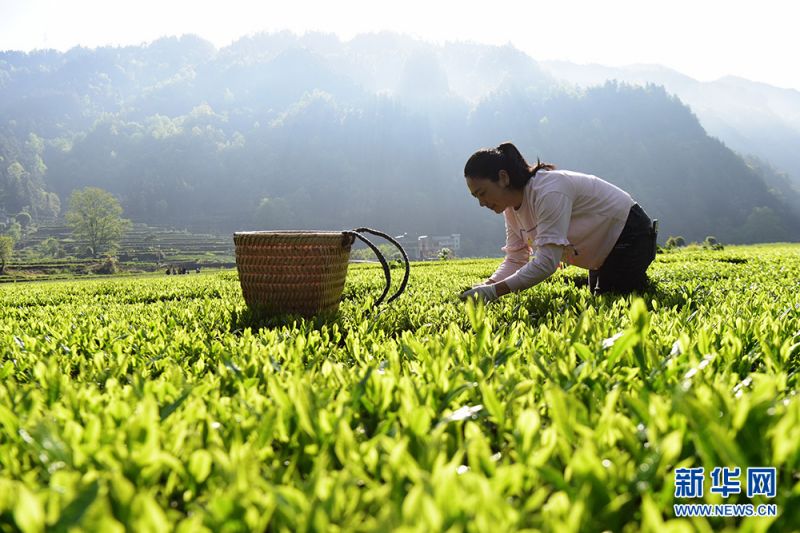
300, 272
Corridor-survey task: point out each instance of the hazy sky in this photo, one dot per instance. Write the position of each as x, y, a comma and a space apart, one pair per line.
705, 39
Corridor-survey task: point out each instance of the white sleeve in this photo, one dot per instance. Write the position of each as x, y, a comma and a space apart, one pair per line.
543, 265
517, 253
553, 213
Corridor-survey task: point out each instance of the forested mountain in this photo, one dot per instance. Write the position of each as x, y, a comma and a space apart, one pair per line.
280, 131
753, 118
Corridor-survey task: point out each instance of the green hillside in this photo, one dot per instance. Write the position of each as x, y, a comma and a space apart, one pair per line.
289, 132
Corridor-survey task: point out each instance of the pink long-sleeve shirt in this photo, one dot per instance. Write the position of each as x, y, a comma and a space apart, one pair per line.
580, 214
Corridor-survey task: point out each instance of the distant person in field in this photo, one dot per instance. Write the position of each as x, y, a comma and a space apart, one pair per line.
560, 216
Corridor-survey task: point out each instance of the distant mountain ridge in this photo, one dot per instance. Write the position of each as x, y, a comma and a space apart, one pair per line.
751, 117
281, 131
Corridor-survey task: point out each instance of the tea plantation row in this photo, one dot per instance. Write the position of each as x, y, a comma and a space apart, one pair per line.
160, 404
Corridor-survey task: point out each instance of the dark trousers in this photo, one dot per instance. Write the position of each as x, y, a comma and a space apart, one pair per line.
625, 268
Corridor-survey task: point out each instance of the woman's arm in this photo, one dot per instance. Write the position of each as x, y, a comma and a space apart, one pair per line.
542, 267
517, 253
553, 212
502, 288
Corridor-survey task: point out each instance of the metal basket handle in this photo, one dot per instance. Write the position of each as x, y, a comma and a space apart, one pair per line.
387, 274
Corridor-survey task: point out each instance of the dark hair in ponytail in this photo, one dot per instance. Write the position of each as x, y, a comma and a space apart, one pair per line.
487, 163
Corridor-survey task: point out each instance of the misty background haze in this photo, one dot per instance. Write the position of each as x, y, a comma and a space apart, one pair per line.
280, 131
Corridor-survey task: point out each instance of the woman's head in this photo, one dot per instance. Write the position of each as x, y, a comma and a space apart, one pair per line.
497, 176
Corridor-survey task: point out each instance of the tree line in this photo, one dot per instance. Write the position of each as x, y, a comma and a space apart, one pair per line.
94, 218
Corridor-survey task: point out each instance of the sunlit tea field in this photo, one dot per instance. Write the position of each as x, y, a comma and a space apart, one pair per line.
160, 404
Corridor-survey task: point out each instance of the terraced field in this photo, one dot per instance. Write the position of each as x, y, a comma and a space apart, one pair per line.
142, 249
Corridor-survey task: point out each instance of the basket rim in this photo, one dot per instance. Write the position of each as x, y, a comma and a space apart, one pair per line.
289, 232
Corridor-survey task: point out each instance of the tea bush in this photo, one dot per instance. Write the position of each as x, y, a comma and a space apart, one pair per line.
158, 404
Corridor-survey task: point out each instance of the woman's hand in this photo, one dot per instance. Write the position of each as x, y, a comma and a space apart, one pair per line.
487, 293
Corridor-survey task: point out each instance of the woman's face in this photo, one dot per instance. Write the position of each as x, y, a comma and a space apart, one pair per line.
495, 195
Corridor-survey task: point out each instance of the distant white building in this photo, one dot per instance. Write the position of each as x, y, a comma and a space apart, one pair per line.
428, 247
